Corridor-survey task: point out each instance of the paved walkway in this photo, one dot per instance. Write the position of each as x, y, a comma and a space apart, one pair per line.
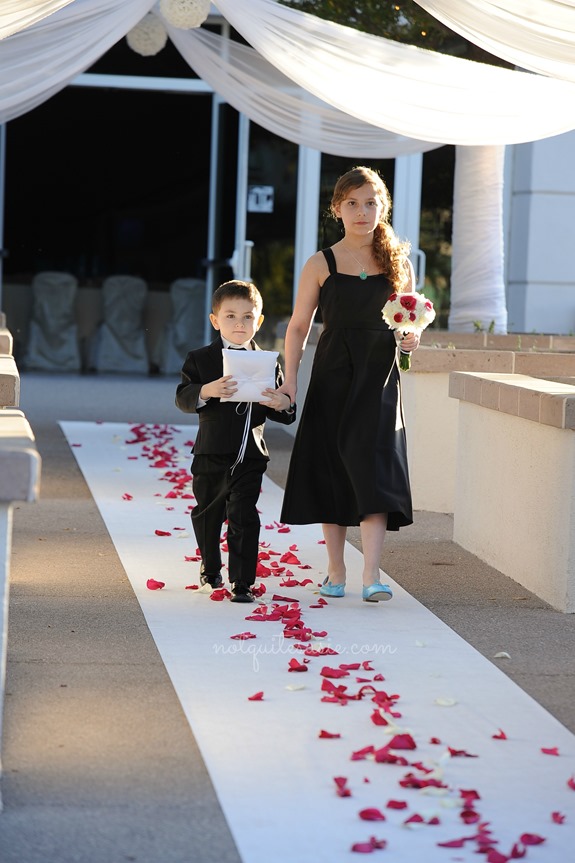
99, 763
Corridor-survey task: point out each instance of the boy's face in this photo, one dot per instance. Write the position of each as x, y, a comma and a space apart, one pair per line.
237, 320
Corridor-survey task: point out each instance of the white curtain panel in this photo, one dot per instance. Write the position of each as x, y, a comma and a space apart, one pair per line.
535, 34
406, 90
37, 62
17, 14
253, 86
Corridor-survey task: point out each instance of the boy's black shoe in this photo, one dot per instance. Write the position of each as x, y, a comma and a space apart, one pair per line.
214, 579
242, 594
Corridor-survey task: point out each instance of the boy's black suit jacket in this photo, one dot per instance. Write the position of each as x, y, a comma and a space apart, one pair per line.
221, 425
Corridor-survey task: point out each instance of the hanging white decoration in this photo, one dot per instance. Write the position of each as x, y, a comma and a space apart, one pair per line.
148, 37
185, 14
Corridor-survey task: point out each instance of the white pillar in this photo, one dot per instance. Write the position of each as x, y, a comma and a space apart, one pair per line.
406, 211
477, 284
307, 209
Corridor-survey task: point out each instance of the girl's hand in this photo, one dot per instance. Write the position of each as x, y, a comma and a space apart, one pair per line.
409, 342
289, 389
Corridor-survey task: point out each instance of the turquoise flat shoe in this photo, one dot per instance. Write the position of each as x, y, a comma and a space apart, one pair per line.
334, 590
376, 592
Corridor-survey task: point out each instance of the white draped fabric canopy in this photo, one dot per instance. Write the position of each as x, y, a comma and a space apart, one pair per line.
535, 34
41, 60
401, 88
406, 91
256, 88
17, 14
327, 86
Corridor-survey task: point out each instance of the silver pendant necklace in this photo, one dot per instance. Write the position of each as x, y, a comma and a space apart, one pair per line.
363, 274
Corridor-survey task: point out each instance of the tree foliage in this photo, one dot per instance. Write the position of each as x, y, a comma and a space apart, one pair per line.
403, 21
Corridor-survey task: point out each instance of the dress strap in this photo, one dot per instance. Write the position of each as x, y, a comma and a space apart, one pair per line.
330, 258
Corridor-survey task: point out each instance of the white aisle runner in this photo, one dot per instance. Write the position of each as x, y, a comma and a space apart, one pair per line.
273, 772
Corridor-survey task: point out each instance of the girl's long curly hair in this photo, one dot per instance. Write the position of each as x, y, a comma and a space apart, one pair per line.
389, 251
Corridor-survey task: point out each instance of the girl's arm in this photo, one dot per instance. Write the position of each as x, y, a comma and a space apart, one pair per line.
312, 277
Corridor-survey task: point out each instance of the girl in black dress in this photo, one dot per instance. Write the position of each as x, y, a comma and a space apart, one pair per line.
349, 461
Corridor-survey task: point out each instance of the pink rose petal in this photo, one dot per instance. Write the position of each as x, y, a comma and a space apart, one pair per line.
557, 817
553, 750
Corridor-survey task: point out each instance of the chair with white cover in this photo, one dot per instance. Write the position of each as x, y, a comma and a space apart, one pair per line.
53, 335
186, 328
120, 344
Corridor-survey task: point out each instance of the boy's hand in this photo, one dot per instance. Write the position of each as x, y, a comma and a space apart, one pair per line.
223, 388
276, 400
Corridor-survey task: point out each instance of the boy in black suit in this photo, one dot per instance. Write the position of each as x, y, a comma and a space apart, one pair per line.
223, 487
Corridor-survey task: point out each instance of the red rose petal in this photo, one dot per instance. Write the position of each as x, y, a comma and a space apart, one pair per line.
414, 819
127, 496
243, 636
152, 584
500, 736
557, 817
371, 814
289, 557
455, 843
402, 741
220, 594
435, 740
494, 856
553, 750
341, 786
333, 672
327, 735
162, 533
294, 665
257, 696
396, 804
362, 847
531, 839
460, 753
571, 783
192, 587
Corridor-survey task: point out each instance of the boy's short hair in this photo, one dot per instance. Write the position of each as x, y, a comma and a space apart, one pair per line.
236, 289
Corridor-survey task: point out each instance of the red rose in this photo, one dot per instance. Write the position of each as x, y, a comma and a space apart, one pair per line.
392, 298
412, 316
398, 317
408, 302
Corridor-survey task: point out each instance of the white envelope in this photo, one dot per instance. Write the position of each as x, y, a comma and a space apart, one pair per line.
253, 371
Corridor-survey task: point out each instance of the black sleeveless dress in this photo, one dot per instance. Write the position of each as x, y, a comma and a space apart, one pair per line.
349, 457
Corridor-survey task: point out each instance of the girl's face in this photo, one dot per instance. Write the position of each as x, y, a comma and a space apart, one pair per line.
360, 211
237, 320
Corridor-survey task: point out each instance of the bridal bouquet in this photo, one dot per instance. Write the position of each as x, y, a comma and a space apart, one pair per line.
410, 313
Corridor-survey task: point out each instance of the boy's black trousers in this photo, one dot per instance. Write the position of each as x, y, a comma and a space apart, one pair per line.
222, 494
